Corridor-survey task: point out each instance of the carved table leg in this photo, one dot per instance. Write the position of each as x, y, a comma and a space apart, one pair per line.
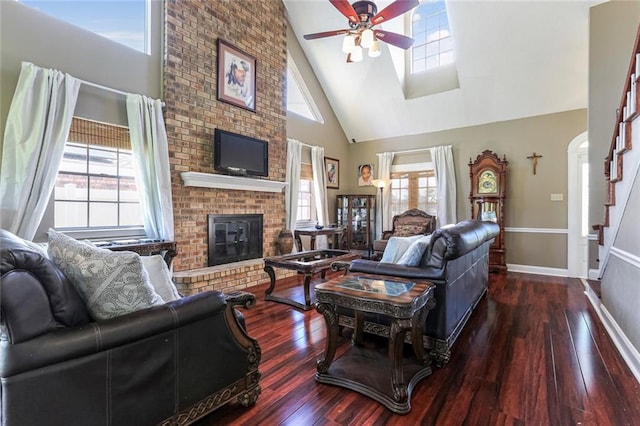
331, 320
307, 296
396, 342
272, 275
358, 328
417, 327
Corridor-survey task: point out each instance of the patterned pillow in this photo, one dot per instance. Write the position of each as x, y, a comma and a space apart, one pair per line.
414, 253
396, 247
111, 283
406, 230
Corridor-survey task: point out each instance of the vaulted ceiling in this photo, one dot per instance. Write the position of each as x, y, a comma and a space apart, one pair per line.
514, 59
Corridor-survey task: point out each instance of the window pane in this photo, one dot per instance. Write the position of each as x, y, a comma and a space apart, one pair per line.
74, 159
126, 164
103, 162
103, 214
130, 214
103, 189
128, 190
71, 187
70, 214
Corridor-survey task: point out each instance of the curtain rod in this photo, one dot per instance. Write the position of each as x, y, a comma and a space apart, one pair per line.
407, 151
108, 89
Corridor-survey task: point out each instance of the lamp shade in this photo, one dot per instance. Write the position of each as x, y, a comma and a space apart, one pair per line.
356, 54
348, 43
374, 50
367, 38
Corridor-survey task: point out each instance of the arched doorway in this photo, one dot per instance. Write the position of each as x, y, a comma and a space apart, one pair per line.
578, 202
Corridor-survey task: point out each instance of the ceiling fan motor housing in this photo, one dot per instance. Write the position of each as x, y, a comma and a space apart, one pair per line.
365, 10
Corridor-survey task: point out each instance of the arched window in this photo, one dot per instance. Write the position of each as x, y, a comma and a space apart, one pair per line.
433, 44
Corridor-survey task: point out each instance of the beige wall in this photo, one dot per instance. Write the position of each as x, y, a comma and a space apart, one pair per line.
528, 202
612, 32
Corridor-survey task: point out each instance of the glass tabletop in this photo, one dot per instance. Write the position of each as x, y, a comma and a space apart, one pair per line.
381, 286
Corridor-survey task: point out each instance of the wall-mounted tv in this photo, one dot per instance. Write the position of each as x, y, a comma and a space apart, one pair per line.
240, 155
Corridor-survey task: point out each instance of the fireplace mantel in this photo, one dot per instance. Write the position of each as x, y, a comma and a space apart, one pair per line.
209, 180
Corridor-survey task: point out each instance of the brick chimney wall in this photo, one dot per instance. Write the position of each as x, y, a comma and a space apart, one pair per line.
192, 112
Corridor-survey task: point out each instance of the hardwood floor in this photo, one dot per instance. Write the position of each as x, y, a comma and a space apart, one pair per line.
533, 353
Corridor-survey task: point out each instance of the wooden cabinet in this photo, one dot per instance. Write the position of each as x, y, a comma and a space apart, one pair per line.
356, 214
488, 193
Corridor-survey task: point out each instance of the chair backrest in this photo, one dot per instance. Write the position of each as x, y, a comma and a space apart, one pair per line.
413, 222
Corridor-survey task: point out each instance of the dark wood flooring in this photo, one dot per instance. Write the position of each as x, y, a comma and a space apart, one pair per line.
533, 353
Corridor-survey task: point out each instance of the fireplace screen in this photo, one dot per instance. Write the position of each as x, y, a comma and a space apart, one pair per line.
233, 238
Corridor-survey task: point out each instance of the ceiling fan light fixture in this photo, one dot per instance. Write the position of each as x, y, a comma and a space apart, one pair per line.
348, 43
374, 50
367, 38
356, 54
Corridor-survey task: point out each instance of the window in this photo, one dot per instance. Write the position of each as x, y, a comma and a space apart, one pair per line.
124, 22
433, 44
414, 190
306, 199
95, 187
299, 99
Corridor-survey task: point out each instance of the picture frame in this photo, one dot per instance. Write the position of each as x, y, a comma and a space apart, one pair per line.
236, 76
332, 170
365, 174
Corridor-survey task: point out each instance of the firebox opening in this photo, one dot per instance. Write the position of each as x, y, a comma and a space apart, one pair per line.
233, 238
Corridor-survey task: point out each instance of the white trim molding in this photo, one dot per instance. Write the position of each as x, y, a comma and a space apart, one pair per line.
539, 270
537, 230
627, 257
208, 180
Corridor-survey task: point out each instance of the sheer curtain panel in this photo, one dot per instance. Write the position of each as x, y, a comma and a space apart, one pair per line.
320, 191
294, 154
151, 153
35, 135
383, 211
442, 157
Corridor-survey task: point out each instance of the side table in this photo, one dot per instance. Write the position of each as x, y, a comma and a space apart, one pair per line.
387, 377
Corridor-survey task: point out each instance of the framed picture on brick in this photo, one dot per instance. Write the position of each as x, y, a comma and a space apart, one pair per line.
236, 76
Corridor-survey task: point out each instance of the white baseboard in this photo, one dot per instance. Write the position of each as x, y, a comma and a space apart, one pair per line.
629, 353
540, 270
594, 274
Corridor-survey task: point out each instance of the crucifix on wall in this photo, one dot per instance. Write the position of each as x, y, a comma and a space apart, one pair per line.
534, 157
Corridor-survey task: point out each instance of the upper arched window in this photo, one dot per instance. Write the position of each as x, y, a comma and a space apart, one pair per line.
433, 44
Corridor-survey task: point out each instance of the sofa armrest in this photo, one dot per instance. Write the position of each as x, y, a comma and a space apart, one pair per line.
341, 266
75, 342
241, 299
395, 270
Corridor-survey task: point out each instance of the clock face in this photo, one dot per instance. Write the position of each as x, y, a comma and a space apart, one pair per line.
487, 183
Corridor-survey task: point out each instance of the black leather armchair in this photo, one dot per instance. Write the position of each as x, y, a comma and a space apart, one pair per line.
457, 262
169, 364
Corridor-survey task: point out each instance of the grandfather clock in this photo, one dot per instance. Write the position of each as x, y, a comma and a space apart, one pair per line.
488, 193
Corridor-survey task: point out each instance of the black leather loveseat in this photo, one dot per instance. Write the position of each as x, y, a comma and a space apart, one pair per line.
168, 364
456, 261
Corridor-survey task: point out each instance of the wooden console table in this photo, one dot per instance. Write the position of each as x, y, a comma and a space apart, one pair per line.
313, 232
168, 249
365, 367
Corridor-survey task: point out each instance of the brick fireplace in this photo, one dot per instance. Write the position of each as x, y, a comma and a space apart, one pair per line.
192, 113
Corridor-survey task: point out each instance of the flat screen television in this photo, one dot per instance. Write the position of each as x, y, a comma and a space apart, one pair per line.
240, 155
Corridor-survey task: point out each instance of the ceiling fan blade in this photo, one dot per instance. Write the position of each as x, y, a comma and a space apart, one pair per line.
398, 40
324, 34
396, 8
346, 9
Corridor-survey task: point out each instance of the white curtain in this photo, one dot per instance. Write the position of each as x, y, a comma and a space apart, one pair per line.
294, 154
383, 211
35, 134
151, 153
442, 157
320, 192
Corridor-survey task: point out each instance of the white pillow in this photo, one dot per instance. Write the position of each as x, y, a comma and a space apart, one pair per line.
396, 246
414, 253
111, 283
160, 277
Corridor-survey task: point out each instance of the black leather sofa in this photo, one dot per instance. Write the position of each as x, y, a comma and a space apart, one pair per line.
457, 262
169, 364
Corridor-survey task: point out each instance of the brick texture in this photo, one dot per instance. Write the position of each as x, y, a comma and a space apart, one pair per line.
192, 112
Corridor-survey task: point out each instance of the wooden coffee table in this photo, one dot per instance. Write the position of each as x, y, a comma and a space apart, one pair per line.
308, 263
383, 375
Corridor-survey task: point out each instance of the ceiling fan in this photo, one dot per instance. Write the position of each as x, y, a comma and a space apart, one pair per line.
362, 16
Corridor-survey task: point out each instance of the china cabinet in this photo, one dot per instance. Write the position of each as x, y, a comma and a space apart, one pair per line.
488, 175
356, 214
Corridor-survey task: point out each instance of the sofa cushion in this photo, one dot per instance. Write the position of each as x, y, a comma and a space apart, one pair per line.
160, 277
396, 247
111, 283
413, 255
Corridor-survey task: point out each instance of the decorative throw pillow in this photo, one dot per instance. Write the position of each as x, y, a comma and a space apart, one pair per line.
395, 248
406, 230
111, 283
414, 253
160, 277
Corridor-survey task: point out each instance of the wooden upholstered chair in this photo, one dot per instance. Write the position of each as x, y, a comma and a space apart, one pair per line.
406, 224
